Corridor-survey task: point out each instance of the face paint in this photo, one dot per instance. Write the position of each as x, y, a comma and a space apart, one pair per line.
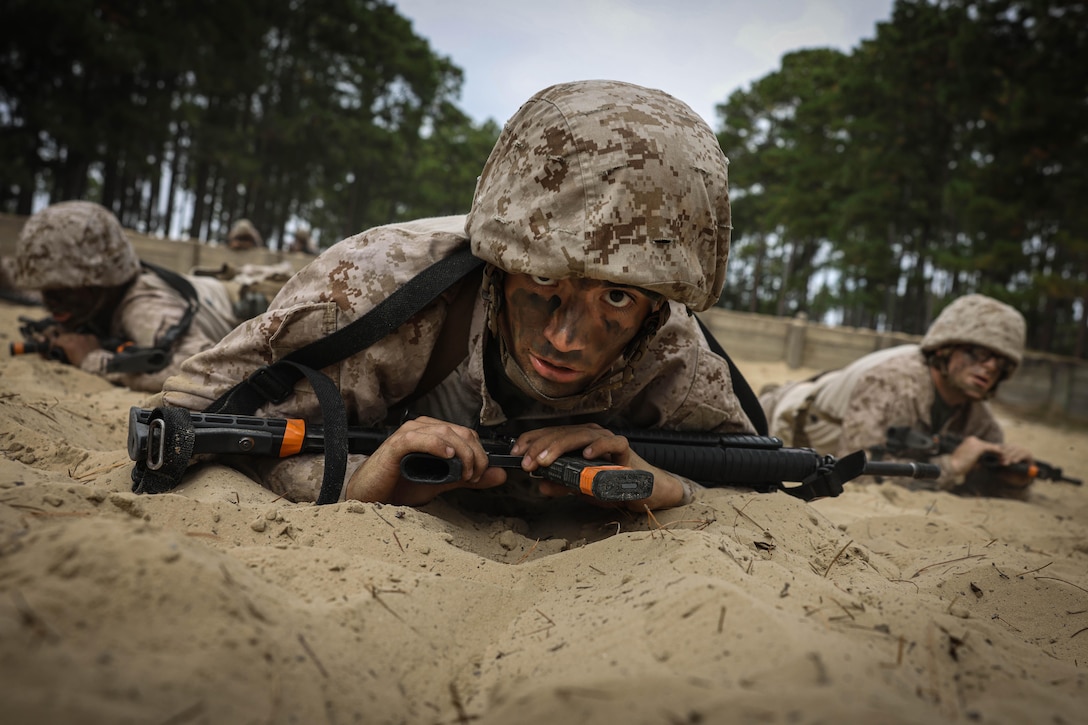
74, 306
566, 333
974, 370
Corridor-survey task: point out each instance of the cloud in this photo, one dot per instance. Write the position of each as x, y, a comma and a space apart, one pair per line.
698, 50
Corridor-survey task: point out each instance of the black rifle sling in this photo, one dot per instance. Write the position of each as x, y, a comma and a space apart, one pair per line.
176, 435
748, 400
186, 290
133, 359
275, 383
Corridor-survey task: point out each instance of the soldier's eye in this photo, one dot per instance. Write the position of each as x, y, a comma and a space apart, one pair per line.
619, 298
543, 281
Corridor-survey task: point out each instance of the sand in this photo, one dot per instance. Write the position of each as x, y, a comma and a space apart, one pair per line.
220, 603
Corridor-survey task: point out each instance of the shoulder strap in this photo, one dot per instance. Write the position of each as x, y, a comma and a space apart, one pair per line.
183, 287
451, 347
132, 359
748, 400
275, 383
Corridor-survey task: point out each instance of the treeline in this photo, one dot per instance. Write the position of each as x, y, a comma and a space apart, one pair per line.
944, 156
183, 116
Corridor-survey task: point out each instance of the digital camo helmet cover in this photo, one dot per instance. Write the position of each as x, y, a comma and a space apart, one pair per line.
73, 244
609, 181
244, 231
979, 320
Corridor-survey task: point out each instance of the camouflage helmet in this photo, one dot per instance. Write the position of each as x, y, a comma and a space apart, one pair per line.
74, 244
243, 235
979, 320
609, 181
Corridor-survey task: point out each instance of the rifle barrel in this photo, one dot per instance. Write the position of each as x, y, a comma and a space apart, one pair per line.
904, 470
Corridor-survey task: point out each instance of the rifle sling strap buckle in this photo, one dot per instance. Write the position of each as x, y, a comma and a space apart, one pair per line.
270, 384
156, 444
169, 454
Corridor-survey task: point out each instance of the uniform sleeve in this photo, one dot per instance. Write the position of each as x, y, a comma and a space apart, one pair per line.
689, 388
339, 287
253, 344
982, 424
880, 399
684, 385
886, 397
143, 319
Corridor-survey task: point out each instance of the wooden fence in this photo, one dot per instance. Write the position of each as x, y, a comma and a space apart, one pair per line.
1045, 384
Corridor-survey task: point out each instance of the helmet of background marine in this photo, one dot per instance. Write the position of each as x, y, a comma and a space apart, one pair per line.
74, 244
979, 320
244, 235
609, 181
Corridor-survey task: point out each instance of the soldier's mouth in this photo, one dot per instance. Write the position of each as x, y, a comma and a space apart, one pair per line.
983, 381
553, 372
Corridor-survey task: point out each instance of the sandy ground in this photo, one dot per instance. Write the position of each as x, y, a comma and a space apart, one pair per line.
221, 604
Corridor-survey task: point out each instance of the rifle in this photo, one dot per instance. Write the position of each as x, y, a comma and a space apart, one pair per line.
34, 341
162, 440
906, 442
31, 347
127, 357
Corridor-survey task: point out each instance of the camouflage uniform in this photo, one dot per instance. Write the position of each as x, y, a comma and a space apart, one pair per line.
851, 409
148, 309
596, 179
81, 244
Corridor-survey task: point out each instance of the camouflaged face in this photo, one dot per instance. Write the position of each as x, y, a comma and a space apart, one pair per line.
73, 244
979, 320
609, 181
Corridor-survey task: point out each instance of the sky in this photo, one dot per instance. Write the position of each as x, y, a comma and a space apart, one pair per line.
697, 50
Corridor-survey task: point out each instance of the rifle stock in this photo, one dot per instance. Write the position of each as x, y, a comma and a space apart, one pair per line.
751, 461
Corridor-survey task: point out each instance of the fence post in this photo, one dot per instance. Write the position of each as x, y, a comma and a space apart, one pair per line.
1061, 387
795, 340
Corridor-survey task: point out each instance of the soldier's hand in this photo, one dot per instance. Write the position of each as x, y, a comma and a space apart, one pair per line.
541, 447
1010, 455
379, 478
967, 453
75, 345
